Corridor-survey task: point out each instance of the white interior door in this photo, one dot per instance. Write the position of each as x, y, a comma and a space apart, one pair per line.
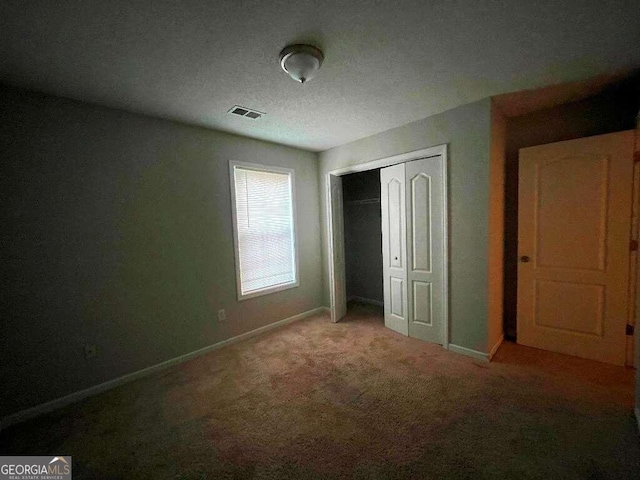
425, 248
414, 248
337, 266
394, 252
573, 244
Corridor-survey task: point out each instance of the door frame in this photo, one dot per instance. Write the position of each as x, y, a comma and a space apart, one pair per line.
438, 150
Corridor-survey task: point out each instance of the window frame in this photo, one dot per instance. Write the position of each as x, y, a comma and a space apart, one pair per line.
236, 244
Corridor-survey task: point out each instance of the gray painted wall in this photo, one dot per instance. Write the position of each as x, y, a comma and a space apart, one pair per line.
116, 231
363, 235
467, 131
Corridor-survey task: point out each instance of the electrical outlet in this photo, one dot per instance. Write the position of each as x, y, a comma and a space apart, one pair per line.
222, 316
90, 351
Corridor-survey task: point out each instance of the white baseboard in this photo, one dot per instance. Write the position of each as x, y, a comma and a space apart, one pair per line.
52, 405
496, 347
370, 301
469, 352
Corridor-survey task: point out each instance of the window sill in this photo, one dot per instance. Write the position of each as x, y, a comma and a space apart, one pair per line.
267, 291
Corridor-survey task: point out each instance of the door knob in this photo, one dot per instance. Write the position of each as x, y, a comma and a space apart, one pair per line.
524, 259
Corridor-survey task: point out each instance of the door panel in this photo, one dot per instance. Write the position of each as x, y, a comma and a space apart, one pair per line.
425, 209
583, 306
397, 297
339, 291
420, 218
573, 243
396, 223
567, 206
422, 303
394, 247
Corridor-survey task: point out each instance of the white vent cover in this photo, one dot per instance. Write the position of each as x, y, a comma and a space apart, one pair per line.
245, 112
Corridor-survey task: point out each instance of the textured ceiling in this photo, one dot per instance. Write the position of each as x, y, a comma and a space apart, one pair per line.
387, 62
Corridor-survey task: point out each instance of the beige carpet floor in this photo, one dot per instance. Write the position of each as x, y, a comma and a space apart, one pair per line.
351, 400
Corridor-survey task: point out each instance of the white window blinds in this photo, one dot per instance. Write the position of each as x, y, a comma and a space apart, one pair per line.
265, 239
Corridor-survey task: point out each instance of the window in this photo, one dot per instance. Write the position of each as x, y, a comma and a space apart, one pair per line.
264, 229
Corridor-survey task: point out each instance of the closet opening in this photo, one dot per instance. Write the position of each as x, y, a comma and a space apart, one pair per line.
391, 215
363, 244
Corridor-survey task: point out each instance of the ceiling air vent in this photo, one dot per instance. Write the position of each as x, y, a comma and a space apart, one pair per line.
245, 112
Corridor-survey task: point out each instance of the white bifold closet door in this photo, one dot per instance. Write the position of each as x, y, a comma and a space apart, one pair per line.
413, 249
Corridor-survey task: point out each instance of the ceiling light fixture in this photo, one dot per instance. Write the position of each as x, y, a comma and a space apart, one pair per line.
301, 61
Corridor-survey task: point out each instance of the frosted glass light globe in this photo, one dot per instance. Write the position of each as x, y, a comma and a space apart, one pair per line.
301, 62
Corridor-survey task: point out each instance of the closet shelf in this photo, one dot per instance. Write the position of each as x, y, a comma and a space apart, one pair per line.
366, 201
